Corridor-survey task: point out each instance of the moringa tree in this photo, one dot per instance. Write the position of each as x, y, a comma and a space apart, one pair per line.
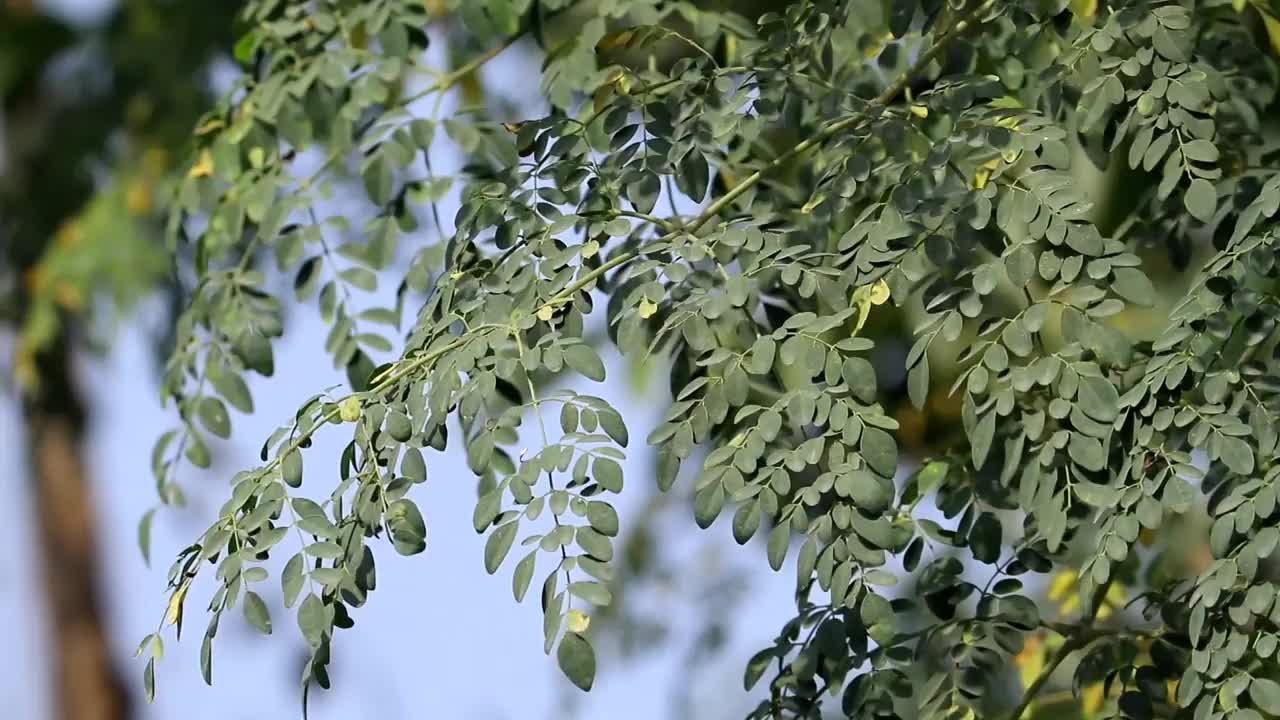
1057, 213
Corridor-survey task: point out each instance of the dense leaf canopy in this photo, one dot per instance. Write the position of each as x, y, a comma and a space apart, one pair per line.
769, 208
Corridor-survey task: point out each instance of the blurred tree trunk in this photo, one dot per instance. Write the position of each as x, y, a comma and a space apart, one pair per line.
85, 681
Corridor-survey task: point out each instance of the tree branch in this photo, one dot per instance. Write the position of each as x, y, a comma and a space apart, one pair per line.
1080, 636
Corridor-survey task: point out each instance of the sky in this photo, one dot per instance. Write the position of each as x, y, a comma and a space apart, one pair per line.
438, 639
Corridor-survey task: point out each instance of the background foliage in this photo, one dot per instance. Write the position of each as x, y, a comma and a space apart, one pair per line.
814, 221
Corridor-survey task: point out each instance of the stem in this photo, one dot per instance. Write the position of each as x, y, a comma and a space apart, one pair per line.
1082, 635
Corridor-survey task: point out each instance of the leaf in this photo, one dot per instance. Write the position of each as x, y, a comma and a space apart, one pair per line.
144, 535
524, 575
880, 451
1237, 455
592, 592
603, 518
213, 415
1265, 694
377, 178
611, 422
981, 437
408, 530
583, 359
498, 544
1098, 398
693, 176
1132, 285
1099, 496
292, 579
1086, 452
313, 619
487, 509
918, 383
149, 681
779, 543
291, 468
413, 466
746, 520
256, 612
608, 473
985, 538
1201, 200
230, 386
577, 660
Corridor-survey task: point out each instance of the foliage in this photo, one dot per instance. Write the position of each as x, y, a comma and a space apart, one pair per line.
834, 161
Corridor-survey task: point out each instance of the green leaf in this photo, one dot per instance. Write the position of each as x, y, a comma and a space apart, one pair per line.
1132, 285
487, 509
408, 530
577, 660
291, 468
377, 178
593, 592
1099, 496
256, 612
292, 579
398, 426
603, 518
1265, 694
246, 47
779, 543
524, 575
981, 437
144, 535
1098, 398
313, 619
746, 520
1237, 455
880, 451
607, 473
611, 422
985, 538
230, 386
583, 359
1201, 200
1086, 452
213, 415
498, 544
413, 466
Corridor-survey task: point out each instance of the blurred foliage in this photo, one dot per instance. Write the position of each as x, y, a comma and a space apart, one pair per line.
92, 119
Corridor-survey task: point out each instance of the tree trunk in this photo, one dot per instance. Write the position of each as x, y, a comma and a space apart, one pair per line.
85, 682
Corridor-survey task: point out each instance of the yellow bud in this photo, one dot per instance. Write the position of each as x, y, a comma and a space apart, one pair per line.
546, 312
647, 308
578, 621
349, 409
203, 166
920, 111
